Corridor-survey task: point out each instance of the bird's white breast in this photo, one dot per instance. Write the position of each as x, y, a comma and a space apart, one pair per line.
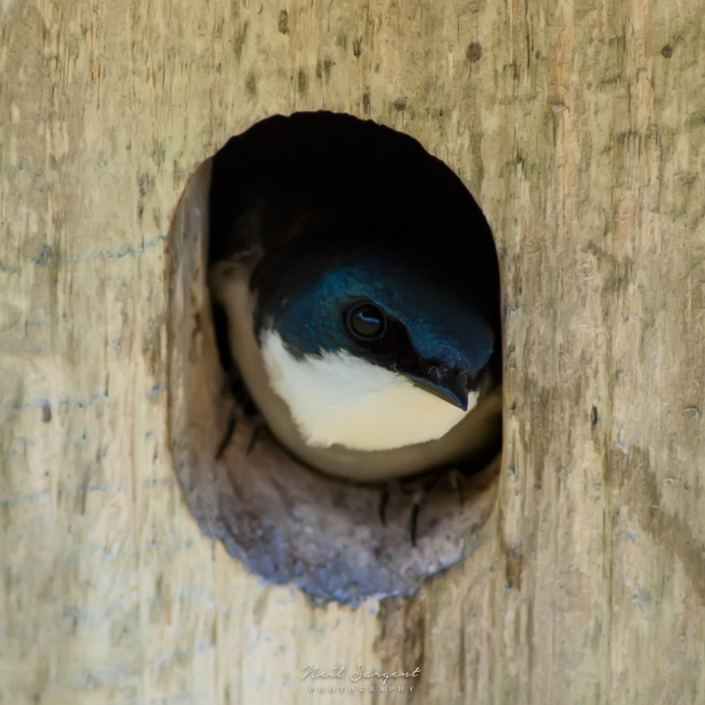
338, 398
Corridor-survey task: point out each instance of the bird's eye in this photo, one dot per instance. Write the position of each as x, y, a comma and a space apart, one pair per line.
366, 321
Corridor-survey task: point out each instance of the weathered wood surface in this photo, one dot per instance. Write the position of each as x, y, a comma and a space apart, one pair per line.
580, 128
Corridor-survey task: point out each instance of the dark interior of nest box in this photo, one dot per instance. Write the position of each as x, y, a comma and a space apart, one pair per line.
334, 539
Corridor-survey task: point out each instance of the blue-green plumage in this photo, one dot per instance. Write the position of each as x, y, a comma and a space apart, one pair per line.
439, 323
429, 324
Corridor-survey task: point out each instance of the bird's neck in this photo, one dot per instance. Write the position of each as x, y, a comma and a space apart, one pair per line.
337, 398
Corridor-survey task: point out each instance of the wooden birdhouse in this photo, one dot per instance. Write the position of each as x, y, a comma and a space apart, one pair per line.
573, 571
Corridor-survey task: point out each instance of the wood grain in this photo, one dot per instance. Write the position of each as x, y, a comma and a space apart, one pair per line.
580, 129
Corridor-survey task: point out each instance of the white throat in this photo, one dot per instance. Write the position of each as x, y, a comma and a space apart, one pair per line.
339, 398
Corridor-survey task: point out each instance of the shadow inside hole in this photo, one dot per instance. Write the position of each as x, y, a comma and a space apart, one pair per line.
333, 538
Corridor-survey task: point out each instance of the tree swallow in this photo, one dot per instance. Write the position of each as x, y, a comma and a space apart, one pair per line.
360, 284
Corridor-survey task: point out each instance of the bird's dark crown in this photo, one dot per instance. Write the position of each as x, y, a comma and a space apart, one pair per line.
426, 330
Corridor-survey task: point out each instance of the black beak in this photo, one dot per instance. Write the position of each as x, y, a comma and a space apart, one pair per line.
451, 386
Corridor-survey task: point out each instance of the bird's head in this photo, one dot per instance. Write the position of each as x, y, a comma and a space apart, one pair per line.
371, 351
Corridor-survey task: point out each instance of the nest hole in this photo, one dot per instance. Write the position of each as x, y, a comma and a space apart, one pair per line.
334, 539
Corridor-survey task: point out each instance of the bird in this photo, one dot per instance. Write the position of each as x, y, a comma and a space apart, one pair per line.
359, 284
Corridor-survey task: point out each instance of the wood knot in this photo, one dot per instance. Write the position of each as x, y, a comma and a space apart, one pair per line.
474, 52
